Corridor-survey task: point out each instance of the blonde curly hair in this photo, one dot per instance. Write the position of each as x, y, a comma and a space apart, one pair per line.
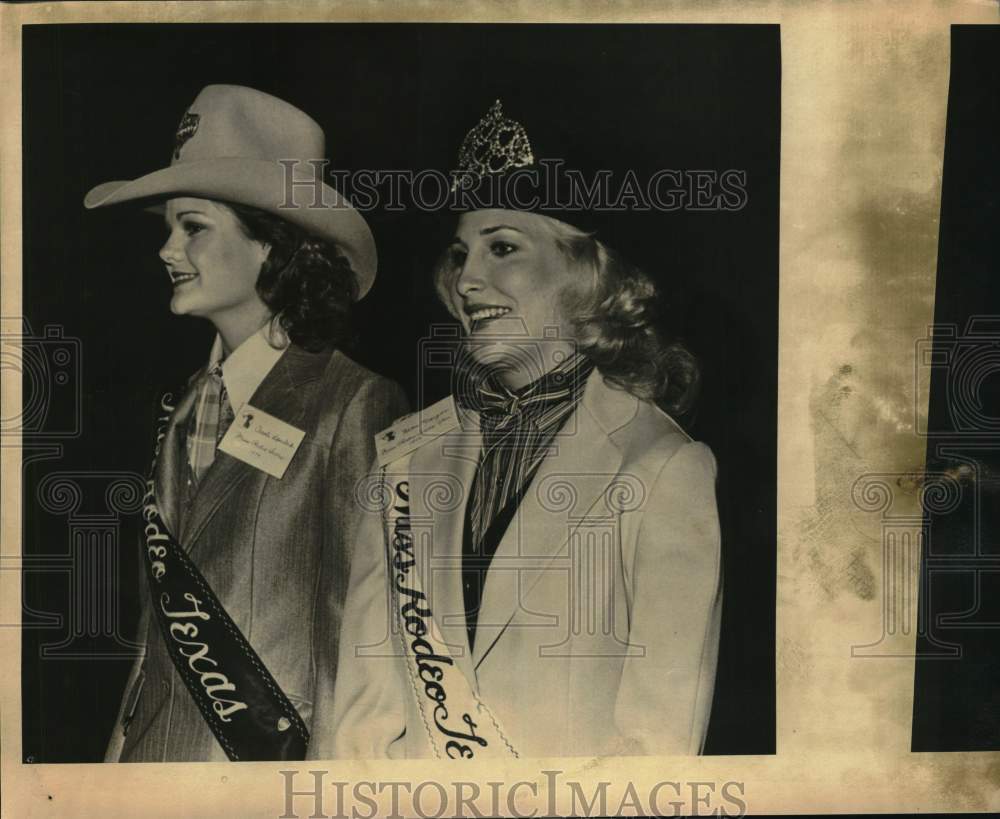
613, 315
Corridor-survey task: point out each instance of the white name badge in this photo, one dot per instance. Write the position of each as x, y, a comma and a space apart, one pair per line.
261, 440
415, 430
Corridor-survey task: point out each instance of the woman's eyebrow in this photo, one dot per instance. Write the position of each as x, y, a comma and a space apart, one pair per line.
167, 219
488, 230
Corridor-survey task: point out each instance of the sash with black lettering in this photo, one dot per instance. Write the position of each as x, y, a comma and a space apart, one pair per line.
458, 723
243, 705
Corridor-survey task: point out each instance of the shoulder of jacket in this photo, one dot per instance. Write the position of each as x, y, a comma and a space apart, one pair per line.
343, 374
652, 432
653, 440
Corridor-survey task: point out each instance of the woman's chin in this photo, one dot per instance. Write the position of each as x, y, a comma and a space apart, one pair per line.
179, 306
182, 304
484, 349
515, 364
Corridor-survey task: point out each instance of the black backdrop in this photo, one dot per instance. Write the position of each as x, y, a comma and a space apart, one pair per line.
956, 702
103, 102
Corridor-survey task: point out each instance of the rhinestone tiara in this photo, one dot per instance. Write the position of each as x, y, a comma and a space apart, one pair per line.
494, 145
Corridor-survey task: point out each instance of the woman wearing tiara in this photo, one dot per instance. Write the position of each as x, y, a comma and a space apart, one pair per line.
549, 579
250, 506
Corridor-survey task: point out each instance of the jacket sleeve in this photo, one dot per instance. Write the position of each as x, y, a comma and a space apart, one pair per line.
665, 695
368, 713
375, 406
133, 690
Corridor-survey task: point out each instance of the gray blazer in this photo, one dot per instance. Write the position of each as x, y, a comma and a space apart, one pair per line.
276, 552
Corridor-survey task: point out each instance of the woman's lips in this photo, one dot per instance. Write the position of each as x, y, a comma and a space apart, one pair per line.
177, 279
487, 312
481, 315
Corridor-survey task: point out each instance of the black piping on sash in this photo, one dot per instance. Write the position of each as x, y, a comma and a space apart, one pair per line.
246, 709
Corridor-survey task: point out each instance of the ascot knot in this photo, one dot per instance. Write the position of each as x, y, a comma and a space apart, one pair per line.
498, 404
491, 398
513, 406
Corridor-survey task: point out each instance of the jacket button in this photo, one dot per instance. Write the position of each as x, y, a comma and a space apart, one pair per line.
284, 724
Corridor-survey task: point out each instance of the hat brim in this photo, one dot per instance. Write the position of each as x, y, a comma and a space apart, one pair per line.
262, 184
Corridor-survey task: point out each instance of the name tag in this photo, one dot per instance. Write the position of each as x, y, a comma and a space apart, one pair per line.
261, 440
415, 430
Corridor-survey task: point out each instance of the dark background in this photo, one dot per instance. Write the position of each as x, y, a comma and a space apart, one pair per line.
103, 102
956, 705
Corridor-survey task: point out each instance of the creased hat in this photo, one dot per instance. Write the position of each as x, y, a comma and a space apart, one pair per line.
236, 144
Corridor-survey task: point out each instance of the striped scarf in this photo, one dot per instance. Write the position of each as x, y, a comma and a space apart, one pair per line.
517, 428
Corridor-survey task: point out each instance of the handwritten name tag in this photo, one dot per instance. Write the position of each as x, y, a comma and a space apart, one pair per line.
413, 431
261, 440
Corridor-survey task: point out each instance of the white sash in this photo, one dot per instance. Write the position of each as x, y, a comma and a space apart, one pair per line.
457, 722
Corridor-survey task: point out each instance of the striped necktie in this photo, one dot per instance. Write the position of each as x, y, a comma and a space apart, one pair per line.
212, 418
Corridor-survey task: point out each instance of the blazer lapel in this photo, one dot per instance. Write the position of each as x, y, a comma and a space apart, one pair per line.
567, 485
277, 395
171, 463
438, 519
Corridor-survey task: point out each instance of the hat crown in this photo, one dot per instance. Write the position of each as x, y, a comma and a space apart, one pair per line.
235, 121
236, 144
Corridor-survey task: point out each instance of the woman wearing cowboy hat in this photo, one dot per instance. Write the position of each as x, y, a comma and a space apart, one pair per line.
549, 581
250, 504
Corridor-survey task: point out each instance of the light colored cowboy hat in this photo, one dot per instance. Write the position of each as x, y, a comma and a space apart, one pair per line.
230, 146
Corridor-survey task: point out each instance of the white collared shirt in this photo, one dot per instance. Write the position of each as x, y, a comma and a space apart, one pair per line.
247, 366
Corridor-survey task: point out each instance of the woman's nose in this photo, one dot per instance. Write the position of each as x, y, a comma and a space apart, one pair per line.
469, 279
172, 252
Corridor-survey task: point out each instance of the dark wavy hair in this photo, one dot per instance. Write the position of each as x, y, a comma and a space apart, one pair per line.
306, 282
613, 313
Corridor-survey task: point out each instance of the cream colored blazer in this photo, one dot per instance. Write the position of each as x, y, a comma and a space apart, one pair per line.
599, 625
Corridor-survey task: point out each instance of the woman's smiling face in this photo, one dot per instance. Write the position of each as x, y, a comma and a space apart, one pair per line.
212, 263
509, 278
